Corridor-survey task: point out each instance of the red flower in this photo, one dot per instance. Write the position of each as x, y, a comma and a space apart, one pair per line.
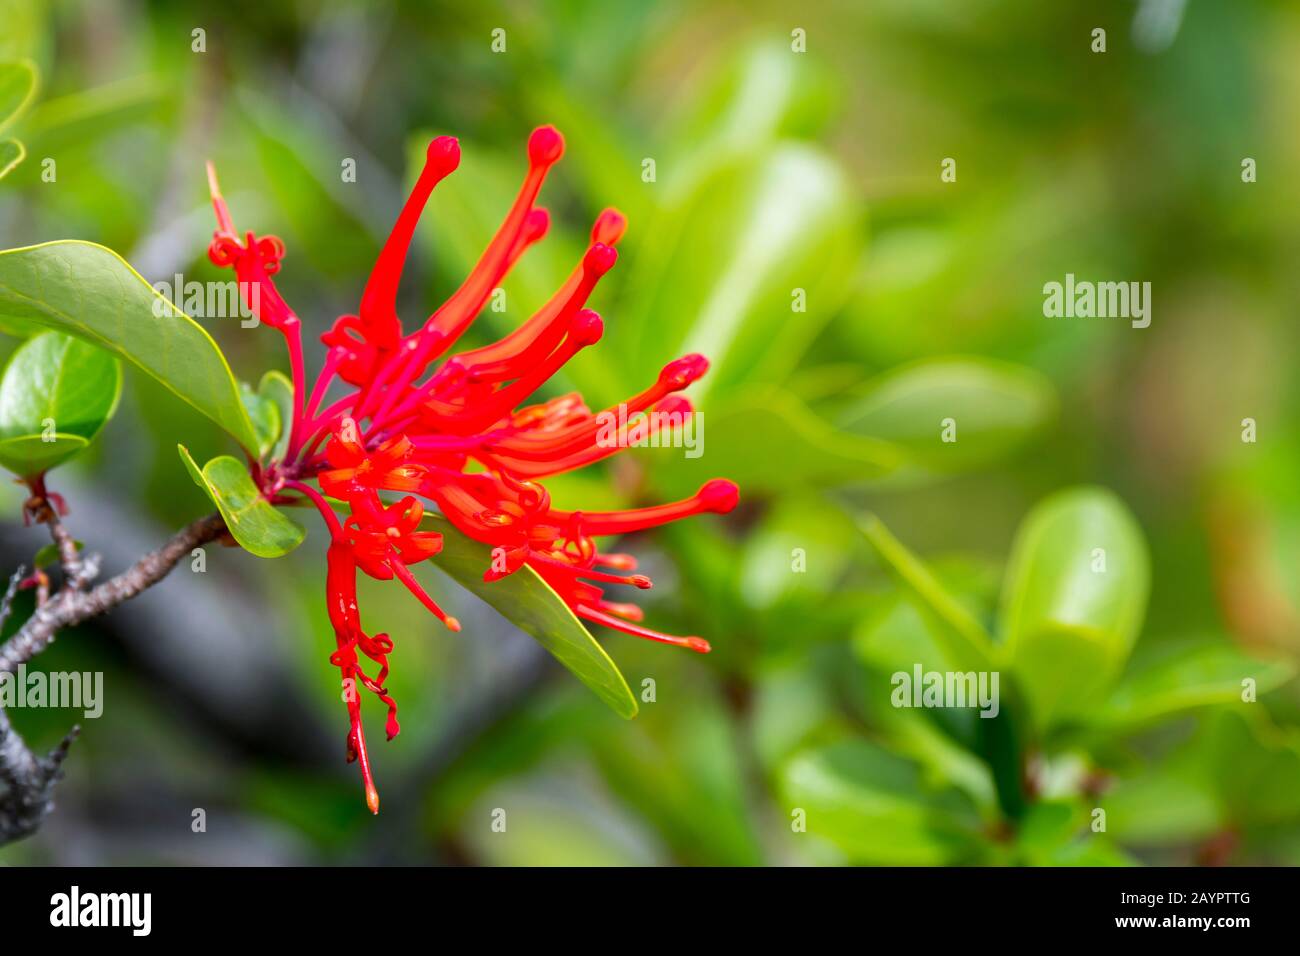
388, 467
457, 435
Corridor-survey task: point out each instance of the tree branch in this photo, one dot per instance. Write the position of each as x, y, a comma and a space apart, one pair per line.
29, 780
72, 605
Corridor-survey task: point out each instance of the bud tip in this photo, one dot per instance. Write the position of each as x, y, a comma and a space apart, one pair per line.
545, 146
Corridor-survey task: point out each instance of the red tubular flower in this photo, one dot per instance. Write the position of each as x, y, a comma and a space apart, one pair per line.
388, 467
458, 435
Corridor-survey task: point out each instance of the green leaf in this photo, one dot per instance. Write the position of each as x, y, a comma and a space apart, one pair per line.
963, 637
529, 603
84, 118
757, 96
1065, 672
54, 376
89, 291
1187, 676
790, 707
871, 804
1166, 802
56, 394
995, 406
901, 631
17, 87
276, 387
32, 454
681, 769
12, 153
1073, 600
812, 454
1056, 833
1237, 771
49, 554
820, 530
264, 413
719, 278
333, 226
25, 25
1252, 763
259, 527
944, 760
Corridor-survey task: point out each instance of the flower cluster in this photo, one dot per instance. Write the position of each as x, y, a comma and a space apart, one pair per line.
416, 424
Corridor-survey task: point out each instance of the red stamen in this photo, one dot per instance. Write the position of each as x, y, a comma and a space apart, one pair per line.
413, 585
697, 644
718, 496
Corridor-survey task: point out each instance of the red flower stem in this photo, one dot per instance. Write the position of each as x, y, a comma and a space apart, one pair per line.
321, 433
323, 506
323, 382
318, 393
292, 330
335, 411
366, 396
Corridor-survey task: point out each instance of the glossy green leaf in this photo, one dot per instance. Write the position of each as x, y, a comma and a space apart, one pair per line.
1187, 676
56, 394
1065, 672
719, 277
1074, 599
962, 637
529, 603
871, 804
89, 291
812, 454
17, 87
82, 118
31, 454
942, 759
277, 387
12, 153
995, 407
258, 526
264, 413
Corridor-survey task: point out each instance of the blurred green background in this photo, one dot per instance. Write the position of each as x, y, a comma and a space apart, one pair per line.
775, 170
